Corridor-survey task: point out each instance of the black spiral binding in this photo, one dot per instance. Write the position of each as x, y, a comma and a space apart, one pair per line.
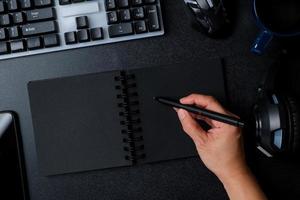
129, 114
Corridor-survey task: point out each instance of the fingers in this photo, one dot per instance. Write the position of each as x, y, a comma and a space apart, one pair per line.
204, 101
191, 127
207, 102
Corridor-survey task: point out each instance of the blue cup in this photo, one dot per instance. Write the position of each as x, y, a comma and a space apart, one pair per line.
267, 33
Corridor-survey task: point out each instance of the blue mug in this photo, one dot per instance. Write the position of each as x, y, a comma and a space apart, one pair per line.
267, 23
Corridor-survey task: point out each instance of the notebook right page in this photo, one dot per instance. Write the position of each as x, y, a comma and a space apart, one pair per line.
163, 136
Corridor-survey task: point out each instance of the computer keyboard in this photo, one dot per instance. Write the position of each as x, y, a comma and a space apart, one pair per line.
29, 27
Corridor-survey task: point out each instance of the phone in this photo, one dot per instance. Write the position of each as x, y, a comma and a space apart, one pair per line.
13, 184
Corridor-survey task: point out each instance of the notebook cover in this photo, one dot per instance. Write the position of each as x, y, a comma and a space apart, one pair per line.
77, 126
164, 138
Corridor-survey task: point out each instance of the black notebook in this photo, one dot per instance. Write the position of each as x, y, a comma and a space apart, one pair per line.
110, 119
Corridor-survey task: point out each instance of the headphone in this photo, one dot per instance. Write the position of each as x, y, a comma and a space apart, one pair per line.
277, 118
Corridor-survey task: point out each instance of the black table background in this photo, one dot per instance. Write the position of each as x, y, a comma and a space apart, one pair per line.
179, 179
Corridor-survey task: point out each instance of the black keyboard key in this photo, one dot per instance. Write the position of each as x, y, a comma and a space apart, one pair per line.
43, 3
77, 1
140, 27
125, 15
96, 33
119, 30
18, 18
112, 17
40, 14
83, 35
64, 2
34, 43
153, 20
70, 38
4, 49
13, 32
25, 4
149, 1
110, 4
5, 20
123, 3
51, 40
12, 5
3, 35
82, 22
137, 2
17, 46
138, 13
2, 6
39, 28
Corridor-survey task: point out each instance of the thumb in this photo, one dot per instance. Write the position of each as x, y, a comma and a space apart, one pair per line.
191, 126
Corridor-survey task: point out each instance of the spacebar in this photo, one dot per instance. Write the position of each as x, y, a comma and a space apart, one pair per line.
39, 28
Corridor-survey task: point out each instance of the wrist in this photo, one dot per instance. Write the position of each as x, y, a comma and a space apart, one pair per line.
242, 185
234, 175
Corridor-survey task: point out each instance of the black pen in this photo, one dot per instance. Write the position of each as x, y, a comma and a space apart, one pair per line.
203, 112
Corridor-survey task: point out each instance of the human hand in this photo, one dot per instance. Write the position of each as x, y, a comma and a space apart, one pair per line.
220, 148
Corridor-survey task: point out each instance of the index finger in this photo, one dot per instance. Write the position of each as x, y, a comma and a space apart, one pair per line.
204, 101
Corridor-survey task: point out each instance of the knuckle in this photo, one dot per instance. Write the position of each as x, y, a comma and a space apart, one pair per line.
193, 95
211, 99
199, 142
188, 127
235, 131
185, 128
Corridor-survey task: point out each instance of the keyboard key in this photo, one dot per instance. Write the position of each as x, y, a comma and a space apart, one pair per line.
137, 2
82, 22
18, 18
43, 3
64, 2
5, 20
51, 40
153, 20
40, 14
25, 4
112, 17
83, 35
123, 3
2, 6
34, 43
17, 46
39, 28
149, 1
4, 48
70, 38
140, 27
110, 4
96, 33
120, 30
3, 35
124, 15
138, 13
12, 5
13, 32
77, 1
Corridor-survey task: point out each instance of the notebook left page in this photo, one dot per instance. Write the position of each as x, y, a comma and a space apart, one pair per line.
76, 123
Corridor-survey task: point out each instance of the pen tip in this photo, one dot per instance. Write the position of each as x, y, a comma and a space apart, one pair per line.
155, 98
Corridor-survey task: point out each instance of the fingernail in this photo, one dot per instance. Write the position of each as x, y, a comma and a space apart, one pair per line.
181, 114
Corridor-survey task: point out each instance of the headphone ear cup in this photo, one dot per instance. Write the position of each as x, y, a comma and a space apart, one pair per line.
295, 124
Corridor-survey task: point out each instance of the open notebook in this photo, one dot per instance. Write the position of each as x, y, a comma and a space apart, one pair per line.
110, 119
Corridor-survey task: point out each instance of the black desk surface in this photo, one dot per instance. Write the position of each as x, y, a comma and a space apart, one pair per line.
180, 179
